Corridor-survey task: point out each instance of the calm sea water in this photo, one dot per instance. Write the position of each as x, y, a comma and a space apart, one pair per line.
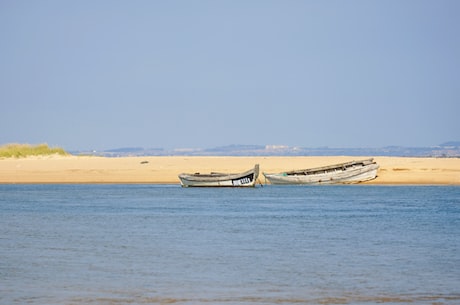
162, 244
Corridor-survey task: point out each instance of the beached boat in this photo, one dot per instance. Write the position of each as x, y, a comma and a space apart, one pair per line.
245, 179
342, 173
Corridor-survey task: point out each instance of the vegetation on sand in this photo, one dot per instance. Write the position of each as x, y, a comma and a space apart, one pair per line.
24, 150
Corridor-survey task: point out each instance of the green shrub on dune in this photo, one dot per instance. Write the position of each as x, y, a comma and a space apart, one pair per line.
25, 150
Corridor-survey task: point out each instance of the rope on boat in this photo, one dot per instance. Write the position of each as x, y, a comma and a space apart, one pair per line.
260, 182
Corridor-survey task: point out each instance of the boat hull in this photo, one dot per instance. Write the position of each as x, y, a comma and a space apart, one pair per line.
337, 175
245, 179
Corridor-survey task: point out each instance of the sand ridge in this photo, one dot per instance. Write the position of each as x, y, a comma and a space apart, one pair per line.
165, 169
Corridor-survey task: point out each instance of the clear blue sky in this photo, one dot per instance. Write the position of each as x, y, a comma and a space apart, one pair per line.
201, 74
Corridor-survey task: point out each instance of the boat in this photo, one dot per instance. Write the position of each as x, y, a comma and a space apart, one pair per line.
213, 179
342, 173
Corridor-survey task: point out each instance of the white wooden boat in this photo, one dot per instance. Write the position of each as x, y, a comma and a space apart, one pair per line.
342, 173
244, 179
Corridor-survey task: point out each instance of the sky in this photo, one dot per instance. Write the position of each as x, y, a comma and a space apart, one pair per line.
97, 74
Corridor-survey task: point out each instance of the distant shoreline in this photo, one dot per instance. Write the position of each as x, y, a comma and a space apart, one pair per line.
448, 149
165, 169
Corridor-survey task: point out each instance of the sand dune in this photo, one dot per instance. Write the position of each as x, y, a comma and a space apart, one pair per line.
164, 170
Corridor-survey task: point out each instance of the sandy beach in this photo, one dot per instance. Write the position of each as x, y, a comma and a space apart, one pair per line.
164, 170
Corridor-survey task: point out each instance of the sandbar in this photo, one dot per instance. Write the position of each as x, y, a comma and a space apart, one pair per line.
165, 169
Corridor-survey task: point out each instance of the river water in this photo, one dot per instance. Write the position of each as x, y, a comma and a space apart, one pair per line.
163, 244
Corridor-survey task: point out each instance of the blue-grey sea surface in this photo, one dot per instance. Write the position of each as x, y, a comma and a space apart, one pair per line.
163, 244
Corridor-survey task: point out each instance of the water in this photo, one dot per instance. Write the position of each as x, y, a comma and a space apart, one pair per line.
162, 244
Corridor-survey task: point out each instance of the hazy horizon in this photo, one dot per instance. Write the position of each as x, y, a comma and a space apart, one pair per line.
233, 146
97, 75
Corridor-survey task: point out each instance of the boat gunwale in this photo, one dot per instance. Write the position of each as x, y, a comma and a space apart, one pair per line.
216, 177
211, 177
321, 169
